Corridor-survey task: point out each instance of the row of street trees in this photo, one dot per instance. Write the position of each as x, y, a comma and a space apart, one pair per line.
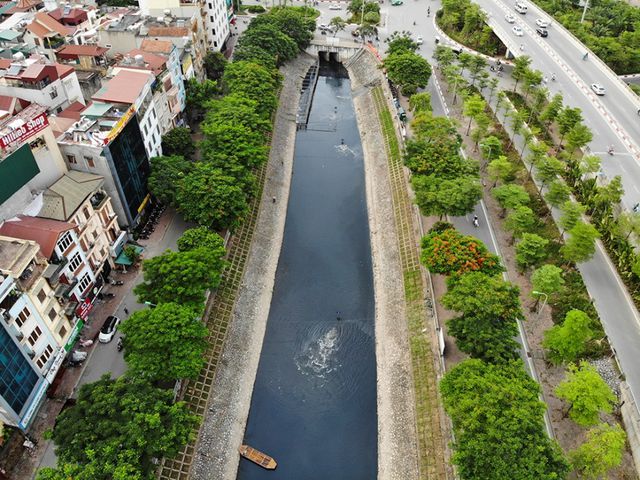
539, 245
404, 66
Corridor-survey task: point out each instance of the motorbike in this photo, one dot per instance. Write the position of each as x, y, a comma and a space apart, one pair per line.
119, 345
117, 283
85, 343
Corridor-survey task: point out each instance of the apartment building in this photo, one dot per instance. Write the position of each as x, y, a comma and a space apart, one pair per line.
40, 81
90, 63
169, 50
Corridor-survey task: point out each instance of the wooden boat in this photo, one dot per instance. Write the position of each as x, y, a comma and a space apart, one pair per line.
257, 457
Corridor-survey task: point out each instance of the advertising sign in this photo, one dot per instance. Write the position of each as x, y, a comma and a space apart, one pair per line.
55, 365
25, 131
74, 335
37, 398
117, 128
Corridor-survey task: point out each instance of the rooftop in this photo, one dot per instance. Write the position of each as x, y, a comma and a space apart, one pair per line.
141, 60
125, 87
74, 51
41, 230
63, 198
44, 25
96, 131
16, 254
156, 46
33, 69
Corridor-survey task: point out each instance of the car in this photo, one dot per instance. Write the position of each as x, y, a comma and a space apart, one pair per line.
419, 40
335, 6
510, 18
543, 32
395, 3
324, 26
520, 8
355, 33
597, 89
108, 329
517, 30
542, 23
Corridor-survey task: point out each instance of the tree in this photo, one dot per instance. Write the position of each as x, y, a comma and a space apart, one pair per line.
211, 198
579, 136
449, 252
571, 213
602, 451
520, 221
491, 148
587, 393
498, 423
520, 68
531, 79
165, 343
117, 427
440, 157
531, 250
337, 24
177, 141
493, 85
166, 174
547, 279
491, 339
181, 277
627, 224
517, 122
408, 70
553, 109
581, 244
500, 169
557, 193
293, 22
437, 196
568, 342
444, 56
214, 65
567, 119
238, 109
609, 195
510, 196
200, 237
254, 53
589, 164
420, 102
255, 82
548, 169
271, 38
198, 95
232, 143
474, 105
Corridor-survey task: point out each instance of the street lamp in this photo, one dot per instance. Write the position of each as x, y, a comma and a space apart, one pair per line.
150, 304
535, 292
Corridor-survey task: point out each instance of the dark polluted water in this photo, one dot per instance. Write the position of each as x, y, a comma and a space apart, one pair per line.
314, 401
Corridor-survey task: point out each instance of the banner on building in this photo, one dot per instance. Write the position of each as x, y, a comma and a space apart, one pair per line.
120, 124
25, 131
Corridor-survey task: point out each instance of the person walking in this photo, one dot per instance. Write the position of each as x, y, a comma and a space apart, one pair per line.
125, 310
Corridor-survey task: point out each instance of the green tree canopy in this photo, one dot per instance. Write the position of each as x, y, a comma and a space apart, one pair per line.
253, 81
500, 169
401, 42
498, 422
270, 38
165, 177
587, 393
602, 451
117, 427
547, 279
449, 252
571, 213
291, 21
420, 102
408, 70
214, 65
164, 343
520, 221
200, 237
254, 53
557, 193
228, 142
181, 277
437, 196
212, 198
510, 196
531, 250
177, 141
568, 342
581, 244
438, 157
237, 109
198, 95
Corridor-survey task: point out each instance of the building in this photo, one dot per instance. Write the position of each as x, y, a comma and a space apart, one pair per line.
131, 28
79, 198
128, 89
35, 79
107, 141
169, 50
90, 63
35, 331
31, 160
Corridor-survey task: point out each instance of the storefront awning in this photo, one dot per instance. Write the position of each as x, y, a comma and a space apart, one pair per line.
123, 259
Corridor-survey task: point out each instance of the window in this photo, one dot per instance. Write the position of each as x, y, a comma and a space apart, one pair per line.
42, 359
22, 317
90, 162
54, 92
210, 7
52, 314
211, 18
17, 377
42, 296
63, 331
71, 159
85, 282
65, 240
35, 335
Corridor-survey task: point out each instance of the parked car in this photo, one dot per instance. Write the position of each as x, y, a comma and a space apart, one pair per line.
597, 89
335, 6
517, 30
520, 8
543, 32
419, 40
108, 329
324, 26
510, 18
395, 3
542, 23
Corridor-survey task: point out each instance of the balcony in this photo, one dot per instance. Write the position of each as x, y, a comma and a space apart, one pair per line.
10, 300
30, 275
52, 272
6, 285
98, 200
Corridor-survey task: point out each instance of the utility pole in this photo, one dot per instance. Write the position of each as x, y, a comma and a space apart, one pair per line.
584, 11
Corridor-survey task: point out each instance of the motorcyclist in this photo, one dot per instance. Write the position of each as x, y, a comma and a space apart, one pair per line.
553, 77
476, 223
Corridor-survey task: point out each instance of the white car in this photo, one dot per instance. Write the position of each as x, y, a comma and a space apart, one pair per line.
597, 89
510, 18
419, 40
335, 6
542, 23
108, 329
517, 30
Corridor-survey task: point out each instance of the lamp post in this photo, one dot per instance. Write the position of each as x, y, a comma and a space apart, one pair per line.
150, 304
535, 292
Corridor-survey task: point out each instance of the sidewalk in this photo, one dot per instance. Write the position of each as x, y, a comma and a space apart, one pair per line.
19, 464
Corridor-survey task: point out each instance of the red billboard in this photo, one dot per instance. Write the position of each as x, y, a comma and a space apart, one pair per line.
23, 132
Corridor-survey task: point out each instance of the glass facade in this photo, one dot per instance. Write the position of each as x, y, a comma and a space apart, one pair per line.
132, 166
17, 376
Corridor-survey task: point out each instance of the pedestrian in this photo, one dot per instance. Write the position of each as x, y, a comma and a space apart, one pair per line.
636, 207
273, 199
475, 221
126, 310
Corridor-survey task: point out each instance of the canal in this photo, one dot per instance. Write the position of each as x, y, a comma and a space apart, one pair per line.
314, 401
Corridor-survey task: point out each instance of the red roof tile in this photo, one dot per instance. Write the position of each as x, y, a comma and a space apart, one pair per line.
124, 87
74, 51
43, 231
156, 46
